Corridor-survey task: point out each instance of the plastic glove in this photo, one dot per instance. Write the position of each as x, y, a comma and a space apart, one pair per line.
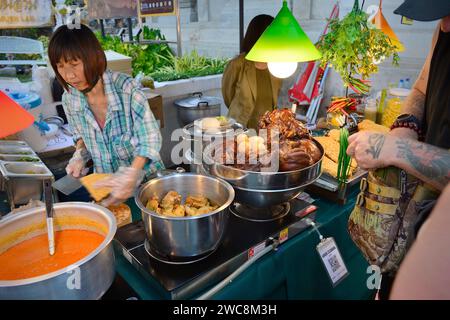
123, 184
77, 164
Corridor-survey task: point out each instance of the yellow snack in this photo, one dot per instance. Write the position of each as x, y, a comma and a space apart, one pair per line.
334, 134
369, 125
330, 167
96, 193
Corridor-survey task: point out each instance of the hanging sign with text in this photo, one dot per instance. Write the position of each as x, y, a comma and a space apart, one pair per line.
25, 13
148, 8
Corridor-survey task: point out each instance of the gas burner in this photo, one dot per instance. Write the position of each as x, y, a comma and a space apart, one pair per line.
171, 260
260, 214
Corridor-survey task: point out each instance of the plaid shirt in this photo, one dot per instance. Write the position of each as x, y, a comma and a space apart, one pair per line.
130, 128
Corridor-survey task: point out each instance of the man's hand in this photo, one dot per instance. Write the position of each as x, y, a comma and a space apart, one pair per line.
371, 150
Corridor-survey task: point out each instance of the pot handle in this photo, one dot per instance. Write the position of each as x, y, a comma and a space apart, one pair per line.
199, 94
203, 104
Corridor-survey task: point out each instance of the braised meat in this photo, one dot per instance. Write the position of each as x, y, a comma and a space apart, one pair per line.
285, 123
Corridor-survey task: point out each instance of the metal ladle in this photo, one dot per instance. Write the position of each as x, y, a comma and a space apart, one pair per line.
50, 212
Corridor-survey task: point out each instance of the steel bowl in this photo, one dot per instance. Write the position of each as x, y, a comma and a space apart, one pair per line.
88, 278
185, 237
262, 189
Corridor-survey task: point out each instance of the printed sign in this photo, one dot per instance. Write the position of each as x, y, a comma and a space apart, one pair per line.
108, 9
25, 13
157, 7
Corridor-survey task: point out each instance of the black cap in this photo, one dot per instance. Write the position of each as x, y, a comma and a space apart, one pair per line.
424, 10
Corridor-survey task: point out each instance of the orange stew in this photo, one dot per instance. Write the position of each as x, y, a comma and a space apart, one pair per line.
30, 258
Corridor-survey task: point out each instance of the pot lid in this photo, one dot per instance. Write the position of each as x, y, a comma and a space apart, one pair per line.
198, 100
194, 130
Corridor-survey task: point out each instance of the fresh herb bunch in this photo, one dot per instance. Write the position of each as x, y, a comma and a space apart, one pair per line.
344, 160
353, 46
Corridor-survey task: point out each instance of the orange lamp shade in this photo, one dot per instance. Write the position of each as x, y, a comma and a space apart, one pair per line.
381, 23
13, 118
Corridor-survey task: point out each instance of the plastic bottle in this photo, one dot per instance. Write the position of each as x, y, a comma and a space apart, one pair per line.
408, 83
401, 83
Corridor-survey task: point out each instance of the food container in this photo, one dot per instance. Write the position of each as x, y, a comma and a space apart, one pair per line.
22, 172
185, 237
263, 189
394, 103
196, 107
96, 270
198, 138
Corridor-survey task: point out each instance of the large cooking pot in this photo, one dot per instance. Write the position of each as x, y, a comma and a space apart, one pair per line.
185, 237
197, 106
95, 272
262, 189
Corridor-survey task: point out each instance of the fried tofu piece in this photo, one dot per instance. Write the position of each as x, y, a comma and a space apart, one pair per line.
178, 211
196, 201
190, 211
153, 203
171, 199
89, 182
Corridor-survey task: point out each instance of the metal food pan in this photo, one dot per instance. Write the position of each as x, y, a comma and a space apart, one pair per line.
13, 143
25, 170
16, 150
20, 158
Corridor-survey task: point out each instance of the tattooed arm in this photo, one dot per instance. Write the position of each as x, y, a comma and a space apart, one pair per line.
375, 150
415, 102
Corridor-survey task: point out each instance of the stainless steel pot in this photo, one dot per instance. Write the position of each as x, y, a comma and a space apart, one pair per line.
197, 106
262, 189
88, 278
199, 138
185, 237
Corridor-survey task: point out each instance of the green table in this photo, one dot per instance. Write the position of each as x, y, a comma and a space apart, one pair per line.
294, 271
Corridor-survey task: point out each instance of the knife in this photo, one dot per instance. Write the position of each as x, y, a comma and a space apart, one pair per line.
67, 185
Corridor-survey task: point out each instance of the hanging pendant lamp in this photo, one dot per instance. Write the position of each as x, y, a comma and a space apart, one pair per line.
283, 44
381, 23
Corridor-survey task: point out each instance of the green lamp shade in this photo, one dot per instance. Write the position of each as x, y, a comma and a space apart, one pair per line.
283, 41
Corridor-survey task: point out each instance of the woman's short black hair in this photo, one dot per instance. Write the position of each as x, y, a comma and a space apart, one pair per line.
254, 30
77, 43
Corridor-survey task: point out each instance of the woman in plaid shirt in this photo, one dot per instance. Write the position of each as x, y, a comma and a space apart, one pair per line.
108, 114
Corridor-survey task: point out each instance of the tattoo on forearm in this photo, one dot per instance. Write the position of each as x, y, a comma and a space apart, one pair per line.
414, 104
429, 161
376, 142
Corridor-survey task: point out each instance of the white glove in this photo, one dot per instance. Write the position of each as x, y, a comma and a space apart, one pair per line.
123, 184
77, 164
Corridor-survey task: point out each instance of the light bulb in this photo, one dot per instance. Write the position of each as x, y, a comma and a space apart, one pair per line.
282, 69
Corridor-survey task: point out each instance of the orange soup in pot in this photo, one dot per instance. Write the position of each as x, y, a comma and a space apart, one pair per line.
31, 258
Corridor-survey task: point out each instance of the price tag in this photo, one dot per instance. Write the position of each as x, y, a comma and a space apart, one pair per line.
332, 260
255, 250
284, 235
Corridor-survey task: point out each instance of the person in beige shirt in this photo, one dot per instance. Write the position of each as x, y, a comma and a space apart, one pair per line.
248, 88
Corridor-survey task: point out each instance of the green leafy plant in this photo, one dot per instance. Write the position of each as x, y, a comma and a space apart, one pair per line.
144, 57
188, 66
353, 47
